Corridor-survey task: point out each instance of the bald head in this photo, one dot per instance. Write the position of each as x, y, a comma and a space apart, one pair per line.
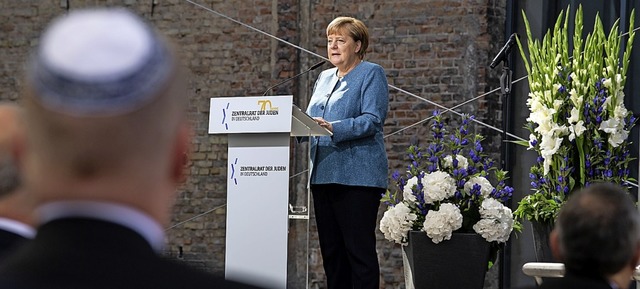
9, 128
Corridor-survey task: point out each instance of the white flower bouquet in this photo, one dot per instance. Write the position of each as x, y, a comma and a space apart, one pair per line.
446, 189
578, 122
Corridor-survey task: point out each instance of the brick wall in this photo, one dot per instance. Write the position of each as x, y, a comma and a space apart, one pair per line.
438, 50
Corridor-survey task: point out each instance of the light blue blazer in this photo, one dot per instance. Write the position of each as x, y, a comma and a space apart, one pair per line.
356, 107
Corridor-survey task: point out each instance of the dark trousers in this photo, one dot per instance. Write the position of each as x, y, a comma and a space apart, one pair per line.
346, 218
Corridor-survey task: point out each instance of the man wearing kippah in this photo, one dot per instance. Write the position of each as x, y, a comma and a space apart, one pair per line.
105, 146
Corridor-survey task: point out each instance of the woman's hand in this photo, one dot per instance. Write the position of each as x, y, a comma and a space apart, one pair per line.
323, 123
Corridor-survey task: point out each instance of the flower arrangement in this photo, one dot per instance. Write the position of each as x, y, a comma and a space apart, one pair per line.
446, 189
578, 122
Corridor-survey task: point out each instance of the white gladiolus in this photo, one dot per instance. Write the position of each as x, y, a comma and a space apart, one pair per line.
577, 130
617, 138
574, 116
532, 138
548, 147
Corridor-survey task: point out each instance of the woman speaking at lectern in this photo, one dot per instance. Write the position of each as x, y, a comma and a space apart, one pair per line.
349, 169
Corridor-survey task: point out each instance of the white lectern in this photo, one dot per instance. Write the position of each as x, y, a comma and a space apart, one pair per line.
259, 129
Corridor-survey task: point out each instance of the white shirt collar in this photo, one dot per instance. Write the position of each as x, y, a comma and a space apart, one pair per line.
120, 214
16, 227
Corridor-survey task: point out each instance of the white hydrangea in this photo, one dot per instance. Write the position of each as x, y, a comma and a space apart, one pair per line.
438, 186
439, 225
462, 162
485, 186
407, 193
396, 223
496, 221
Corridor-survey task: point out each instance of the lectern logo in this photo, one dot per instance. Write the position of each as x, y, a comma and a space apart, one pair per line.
233, 172
266, 105
265, 108
224, 117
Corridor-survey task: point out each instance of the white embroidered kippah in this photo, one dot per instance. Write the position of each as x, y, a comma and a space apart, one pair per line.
99, 62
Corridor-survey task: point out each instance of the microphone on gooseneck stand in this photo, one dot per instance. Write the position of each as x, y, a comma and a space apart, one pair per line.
295, 76
504, 52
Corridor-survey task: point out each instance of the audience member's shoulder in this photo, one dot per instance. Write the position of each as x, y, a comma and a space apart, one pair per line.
198, 278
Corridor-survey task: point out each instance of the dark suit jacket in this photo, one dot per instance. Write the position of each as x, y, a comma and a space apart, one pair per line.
79, 253
573, 281
9, 242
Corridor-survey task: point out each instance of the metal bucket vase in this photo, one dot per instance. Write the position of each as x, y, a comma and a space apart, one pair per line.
457, 263
541, 232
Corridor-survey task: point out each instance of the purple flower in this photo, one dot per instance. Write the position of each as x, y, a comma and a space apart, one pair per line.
478, 146
562, 89
475, 191
608, 173
395, 175
471, 170
503, 195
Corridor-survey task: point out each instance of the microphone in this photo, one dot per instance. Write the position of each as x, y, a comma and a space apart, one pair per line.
294, 77
504, 51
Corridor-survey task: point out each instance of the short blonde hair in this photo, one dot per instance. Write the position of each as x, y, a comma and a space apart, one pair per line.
352, 27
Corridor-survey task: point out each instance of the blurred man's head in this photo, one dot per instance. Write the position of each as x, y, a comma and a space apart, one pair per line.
105, 111
9, 129
15, 203
598, 231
